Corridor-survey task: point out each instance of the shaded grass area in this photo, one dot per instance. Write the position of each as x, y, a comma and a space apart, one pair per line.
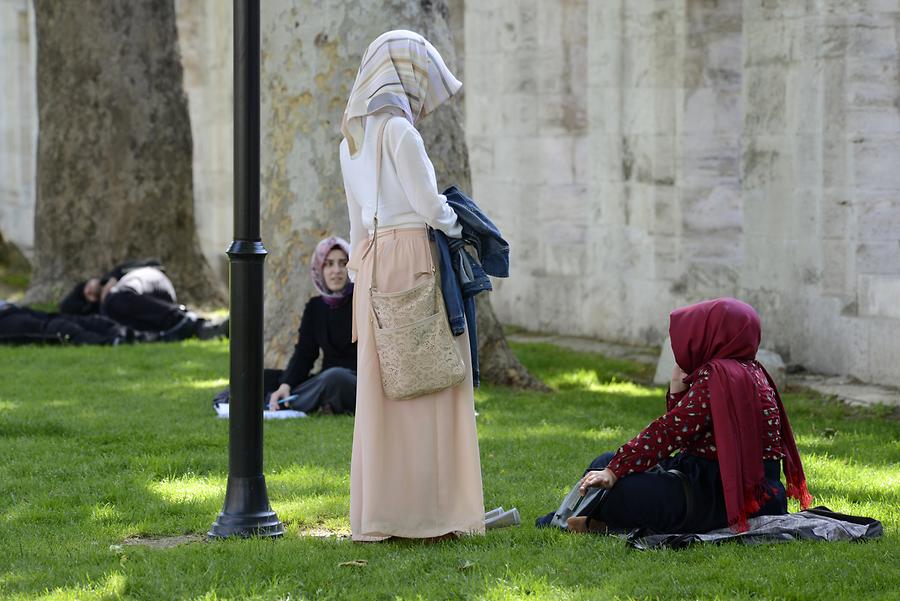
102, 444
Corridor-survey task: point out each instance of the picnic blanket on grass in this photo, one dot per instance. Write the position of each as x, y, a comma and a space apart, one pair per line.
817, 523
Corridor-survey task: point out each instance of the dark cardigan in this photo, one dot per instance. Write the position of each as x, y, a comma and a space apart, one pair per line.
322, 328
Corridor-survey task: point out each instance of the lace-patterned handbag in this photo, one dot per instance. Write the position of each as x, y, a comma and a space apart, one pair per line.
416, 350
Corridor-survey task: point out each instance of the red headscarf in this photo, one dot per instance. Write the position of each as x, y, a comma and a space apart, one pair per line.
717, 334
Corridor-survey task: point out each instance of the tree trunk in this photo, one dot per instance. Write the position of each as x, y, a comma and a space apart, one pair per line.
309, 65
114, 178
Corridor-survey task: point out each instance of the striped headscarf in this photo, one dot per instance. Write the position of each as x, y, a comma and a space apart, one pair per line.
399, 69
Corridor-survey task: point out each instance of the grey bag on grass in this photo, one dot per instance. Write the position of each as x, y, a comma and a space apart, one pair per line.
576, 505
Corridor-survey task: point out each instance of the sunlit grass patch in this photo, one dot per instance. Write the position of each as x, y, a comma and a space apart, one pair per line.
525, 587
552, 361
206, 385
187, 488
589, 380
546, 431
111, 586
104, 513
310, 478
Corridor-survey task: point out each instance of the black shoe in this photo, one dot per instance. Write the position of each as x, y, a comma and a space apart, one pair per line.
208, 330
186, 328
545, 521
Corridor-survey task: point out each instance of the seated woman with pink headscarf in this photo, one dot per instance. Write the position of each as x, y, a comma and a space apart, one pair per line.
325, 326
714, 459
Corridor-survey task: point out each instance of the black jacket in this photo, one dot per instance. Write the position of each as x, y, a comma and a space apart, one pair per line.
322, 328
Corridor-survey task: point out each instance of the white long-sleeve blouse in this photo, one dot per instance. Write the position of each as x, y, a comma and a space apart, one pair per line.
409, 196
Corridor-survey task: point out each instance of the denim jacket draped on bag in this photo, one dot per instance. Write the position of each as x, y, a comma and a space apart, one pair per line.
463, 275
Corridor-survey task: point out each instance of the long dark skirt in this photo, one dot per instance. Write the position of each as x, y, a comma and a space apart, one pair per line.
681, 494
333, 390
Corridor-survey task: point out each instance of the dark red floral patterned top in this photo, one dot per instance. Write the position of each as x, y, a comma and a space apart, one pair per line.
687, 426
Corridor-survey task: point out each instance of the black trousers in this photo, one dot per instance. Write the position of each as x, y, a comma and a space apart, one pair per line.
20, 325
143, 311
680, 494
333, 388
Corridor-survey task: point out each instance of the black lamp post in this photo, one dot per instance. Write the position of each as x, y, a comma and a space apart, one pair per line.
247, 511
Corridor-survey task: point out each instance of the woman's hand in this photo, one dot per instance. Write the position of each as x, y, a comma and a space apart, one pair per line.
283, 392
604, 478
677, 385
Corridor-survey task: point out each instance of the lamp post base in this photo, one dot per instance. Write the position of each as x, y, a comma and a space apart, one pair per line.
247, 512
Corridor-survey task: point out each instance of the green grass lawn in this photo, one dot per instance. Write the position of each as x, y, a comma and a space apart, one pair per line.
99, 445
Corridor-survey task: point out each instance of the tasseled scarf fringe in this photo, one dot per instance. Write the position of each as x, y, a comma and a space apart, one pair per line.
801, 493
753, 502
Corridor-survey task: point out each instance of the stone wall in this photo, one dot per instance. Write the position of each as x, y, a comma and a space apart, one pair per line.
205, 36
18, 123
644, 154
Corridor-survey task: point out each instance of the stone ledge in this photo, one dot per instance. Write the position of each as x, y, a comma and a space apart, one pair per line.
847, 390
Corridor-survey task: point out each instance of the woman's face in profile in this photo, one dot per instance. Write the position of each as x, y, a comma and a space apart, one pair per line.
335, 270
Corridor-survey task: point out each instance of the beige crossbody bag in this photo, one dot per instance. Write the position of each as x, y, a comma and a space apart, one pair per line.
416, 350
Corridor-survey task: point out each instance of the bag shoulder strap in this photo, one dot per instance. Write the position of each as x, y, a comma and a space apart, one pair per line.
379, 149
379, 144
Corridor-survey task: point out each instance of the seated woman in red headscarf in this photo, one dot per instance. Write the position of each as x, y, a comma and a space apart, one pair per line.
714, 458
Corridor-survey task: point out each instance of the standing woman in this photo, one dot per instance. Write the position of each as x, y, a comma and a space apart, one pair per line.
415, 471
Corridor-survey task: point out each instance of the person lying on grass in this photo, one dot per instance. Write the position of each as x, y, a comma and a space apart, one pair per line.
23, 325
326, 325
727, 426
138, 294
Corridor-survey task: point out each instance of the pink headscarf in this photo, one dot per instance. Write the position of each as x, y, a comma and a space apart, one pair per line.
717, 334
316, 266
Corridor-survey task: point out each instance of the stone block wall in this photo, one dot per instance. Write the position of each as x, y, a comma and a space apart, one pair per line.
18, 123
643, 154
205, 37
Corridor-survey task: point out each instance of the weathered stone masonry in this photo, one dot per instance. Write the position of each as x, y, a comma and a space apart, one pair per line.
645, 154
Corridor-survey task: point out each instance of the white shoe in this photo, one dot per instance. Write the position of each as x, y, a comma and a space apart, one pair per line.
493, 513
507, 518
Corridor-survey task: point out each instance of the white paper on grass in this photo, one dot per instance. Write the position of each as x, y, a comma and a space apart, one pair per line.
222, 411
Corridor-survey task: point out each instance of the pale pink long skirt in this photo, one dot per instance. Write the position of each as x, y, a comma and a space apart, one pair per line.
415, 471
